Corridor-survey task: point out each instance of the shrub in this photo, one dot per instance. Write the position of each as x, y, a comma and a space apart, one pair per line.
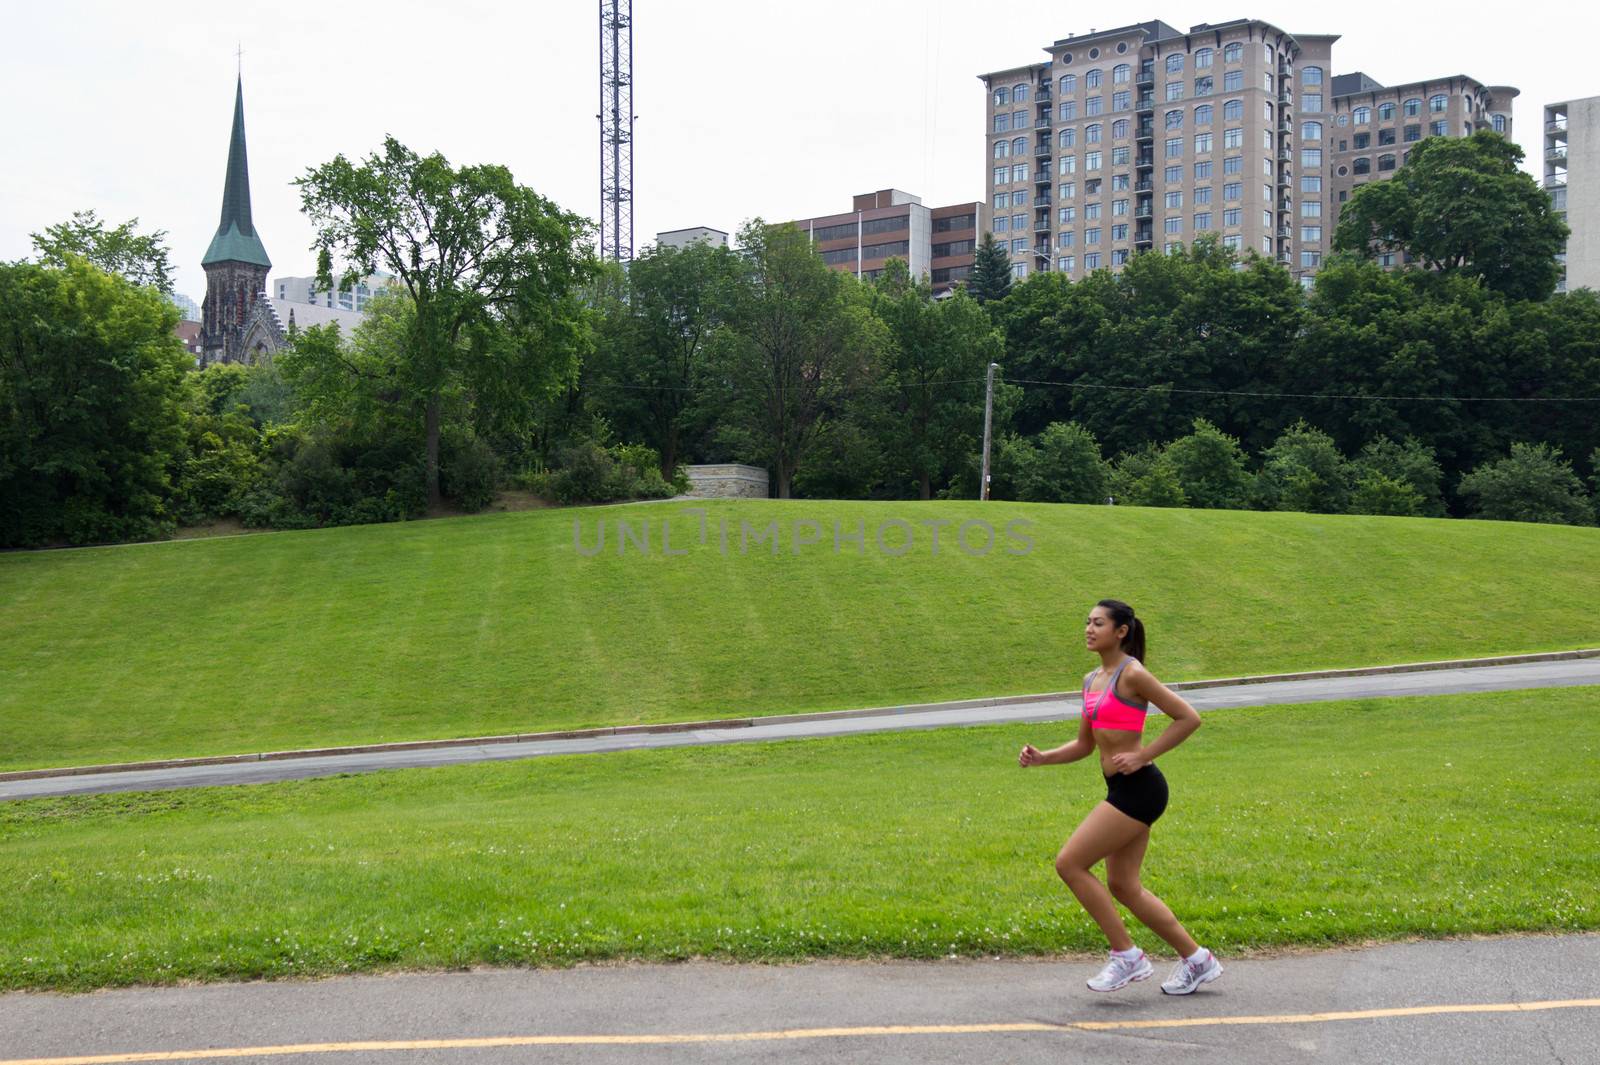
1210, 468
1061, 465
1383, 461
1303, 470
1146, 478
1534, 483
471, 473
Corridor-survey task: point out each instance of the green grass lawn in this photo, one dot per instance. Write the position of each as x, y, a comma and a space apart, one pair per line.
1314, 824
496, 624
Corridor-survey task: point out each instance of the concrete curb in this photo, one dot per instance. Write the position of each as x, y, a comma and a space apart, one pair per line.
779, 719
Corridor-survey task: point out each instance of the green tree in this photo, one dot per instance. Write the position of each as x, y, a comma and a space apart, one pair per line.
1210, 468
140, 257
1384, 467
1061, 465
1534, 483
494, 272
990, 279
936, 353
653, 340
1461, 204
1147, 478
91, 394
1303, 470
799, 339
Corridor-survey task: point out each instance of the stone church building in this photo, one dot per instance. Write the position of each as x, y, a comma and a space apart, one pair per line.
239, 321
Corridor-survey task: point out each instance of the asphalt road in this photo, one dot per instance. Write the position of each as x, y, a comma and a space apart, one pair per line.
1530, 999
1557, 674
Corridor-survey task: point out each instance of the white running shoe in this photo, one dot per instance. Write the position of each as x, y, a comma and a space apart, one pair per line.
1189, 975
1120, 972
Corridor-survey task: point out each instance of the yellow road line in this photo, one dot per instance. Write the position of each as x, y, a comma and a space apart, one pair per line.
671, 1038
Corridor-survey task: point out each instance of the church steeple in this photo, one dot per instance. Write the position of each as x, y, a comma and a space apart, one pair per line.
236, 239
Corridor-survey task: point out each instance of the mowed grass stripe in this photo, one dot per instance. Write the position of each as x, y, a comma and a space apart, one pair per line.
1320, 824
494, 624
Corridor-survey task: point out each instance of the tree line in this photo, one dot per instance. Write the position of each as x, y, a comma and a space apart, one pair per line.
507, 356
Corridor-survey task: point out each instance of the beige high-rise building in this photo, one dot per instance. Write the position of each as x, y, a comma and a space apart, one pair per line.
1572, 177
1145, 137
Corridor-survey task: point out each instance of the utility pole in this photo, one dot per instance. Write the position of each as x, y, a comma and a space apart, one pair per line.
988, 415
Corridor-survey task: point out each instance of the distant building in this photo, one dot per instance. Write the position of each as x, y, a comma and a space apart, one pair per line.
936, 242
236, 262
188, 333
1572, 177
305, 290
682, 238
188, 309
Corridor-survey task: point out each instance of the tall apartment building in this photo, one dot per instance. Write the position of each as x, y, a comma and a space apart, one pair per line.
1147, 136
939, 242
305, 290
1572, 177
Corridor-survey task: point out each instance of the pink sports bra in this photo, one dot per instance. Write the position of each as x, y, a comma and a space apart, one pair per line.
1104, 709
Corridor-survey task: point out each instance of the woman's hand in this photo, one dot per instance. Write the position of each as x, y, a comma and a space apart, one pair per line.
1029, 756
1129, 761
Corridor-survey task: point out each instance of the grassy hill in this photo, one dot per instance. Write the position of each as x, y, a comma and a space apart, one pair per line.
499, 624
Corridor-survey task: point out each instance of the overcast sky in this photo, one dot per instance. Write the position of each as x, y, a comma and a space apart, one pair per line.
744, 109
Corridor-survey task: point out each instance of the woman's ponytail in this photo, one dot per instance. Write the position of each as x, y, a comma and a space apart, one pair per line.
1122, 614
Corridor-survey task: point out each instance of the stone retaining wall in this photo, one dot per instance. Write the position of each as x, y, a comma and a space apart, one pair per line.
731, 480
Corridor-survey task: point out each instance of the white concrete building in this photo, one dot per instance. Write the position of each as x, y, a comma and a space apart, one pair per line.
1572, 177
304, 290
682, 238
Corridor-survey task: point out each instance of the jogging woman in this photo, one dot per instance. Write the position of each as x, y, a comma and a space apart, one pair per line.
1116, 698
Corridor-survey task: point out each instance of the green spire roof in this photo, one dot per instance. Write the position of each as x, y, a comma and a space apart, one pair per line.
236, 239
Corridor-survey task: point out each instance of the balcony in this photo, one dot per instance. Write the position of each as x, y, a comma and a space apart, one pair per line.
1143, 185
1285, 155
1557, 155
1145, 161
1041, 226
1146, 79
1145, 102
1558, 126
1041, 201
1042, 251
1285, 231
1144, 211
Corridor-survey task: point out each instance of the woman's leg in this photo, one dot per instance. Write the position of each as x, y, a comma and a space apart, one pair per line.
1122, 876
1105, 831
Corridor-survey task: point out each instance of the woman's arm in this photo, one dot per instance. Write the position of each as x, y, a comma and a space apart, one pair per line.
1185, 720
1081, 747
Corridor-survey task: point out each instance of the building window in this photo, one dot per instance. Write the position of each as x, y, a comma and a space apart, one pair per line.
1019, 221
1362, 141
1202, 57
1067, 190
1233, 110
1019, 244
1386, 111
1119, 157
1202, 170
1266, 53
1091, 133
1499, 123
1385, 136
1019, 172
1202, 194
1413, 133
1065, 216
1202, 115
1120, 182
1119, 129
1174, 90
1309, 76
1174, 63
1067, 263
1385, 163
1172, 175
1266, 220
1069, 84
1266, 245
1233, 53
1002, 123
1310, 259
1361, 166
1233, 138
1068, 164
1091, 261
1002, 96
1019, 270
1068, 138
1311, 183
1311, 234
1204, 86
1002, 200
1361, 116
1233, 81
1002, 149
1091, 161
1174, 119
1233, 216
1174, 147
1066, 240
1019, 146
1019, 95
1266, 165
1121, 100
1311, 131
1069, 110
1091, 211
1092, 79
1233, 164
1094, 105
1202, 221
1018, 199
1002, 223
1202, 142
1002, 175
1311, 102
1121, 74
1414, 106
1233, 190
1310, 156
1091, 235
1386, 258
1310, 208
1437, 129
1119, 257
1174, 199
1172, 225
1233, 242
1019, 120
1119, 232
1266, 141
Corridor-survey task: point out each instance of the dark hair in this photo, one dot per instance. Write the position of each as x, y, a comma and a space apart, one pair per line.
1122, 614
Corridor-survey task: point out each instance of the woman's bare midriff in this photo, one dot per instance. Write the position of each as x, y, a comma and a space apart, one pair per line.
1114, 741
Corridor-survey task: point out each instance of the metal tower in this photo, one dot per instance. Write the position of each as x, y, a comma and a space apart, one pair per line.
616, 129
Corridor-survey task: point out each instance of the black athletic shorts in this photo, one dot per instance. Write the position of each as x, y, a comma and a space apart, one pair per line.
1142, 795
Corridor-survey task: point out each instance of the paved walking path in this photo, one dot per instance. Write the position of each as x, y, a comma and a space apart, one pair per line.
1565, 673
1532, 999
